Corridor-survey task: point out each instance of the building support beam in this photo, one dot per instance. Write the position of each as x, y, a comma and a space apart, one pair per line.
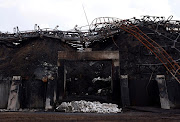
163, 93
50, 94
115, 84
124, 90
14, 96
61, 78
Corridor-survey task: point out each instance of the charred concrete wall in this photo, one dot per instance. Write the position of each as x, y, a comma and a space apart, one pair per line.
36, 61
142, 66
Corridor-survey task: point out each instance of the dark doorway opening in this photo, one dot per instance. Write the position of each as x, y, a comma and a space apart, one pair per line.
85, 84
88, 80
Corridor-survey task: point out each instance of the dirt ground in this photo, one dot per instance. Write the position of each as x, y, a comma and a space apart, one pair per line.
153, 115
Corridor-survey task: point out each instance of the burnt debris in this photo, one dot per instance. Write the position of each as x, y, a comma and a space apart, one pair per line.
147, 48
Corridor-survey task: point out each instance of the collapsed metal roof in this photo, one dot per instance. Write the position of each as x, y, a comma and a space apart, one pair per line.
107, 27
99, 29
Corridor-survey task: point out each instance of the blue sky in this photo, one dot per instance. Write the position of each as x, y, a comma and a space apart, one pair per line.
68, 13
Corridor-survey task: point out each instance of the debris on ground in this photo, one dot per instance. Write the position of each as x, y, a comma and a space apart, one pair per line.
88, 107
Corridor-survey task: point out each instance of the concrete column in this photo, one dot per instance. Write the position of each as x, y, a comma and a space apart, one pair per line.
4, 92
50, 93
61, 82
163, 93
14, 102
115, 84
124, 90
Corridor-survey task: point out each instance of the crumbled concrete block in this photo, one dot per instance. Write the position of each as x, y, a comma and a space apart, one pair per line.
88, 107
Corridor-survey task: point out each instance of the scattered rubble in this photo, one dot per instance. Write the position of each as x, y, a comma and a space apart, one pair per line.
88, 107
103, 79
22, 110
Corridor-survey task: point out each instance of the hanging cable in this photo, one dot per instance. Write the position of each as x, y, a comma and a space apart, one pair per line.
115, 43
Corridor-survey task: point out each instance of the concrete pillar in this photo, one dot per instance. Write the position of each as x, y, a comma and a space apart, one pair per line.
115, 84
14, 102
163, 93
61, 82
4, 92
124, 90
50, 94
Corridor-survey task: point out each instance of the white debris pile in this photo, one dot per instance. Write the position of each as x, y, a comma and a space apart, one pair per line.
88, 107
101, 79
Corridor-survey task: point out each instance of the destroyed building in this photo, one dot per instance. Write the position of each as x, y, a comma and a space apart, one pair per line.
131, 62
